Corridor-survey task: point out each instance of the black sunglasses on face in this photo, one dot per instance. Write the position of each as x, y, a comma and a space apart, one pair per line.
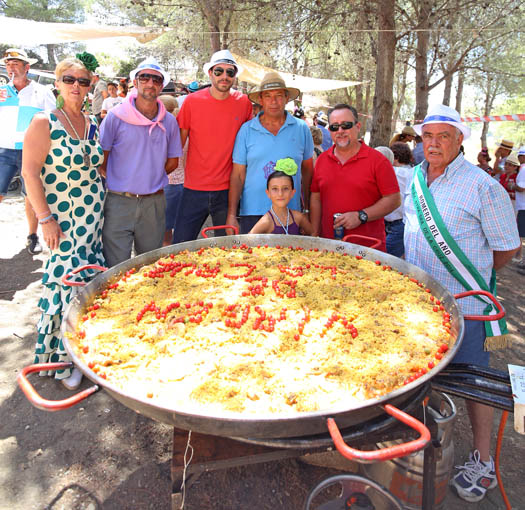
344, 125
69, 80
217, 71
145, 77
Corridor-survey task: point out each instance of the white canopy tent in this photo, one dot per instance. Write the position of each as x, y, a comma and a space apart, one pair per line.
22, 32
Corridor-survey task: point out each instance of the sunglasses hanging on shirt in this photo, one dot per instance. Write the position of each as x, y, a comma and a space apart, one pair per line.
145, 77
344, 125
217, 71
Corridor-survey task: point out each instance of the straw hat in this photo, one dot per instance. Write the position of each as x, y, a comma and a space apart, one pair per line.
273, 81
409, 130
19, 54
442, 114
513, 159
506, 144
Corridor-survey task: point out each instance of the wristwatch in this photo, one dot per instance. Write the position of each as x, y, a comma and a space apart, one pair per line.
363, 217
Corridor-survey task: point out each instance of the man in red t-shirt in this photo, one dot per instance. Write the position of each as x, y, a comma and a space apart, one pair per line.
210, 118
352, 179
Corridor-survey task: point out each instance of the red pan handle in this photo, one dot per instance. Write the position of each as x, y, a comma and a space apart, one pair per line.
392, 452
40, 402
496, 317
218, 227
65, 278
376, 243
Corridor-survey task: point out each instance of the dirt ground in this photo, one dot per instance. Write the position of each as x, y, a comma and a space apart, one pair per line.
100, 455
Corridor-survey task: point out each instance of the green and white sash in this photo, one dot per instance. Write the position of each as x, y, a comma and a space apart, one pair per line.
454, 260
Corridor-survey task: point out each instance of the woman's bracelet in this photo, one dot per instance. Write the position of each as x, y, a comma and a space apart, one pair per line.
45, 220
45, 213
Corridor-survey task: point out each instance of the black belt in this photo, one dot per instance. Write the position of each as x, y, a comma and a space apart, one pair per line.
135, 195
393, 222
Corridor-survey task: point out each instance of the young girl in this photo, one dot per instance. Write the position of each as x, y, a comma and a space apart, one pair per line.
280, 190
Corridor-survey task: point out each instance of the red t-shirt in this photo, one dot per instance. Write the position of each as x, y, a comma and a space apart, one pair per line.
359, 183
506, 180
213, 126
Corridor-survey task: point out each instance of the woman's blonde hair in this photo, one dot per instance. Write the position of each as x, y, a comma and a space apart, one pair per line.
70, 63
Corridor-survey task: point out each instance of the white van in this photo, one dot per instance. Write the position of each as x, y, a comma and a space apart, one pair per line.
44, 77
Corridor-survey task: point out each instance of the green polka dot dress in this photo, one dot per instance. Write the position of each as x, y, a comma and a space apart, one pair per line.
75, 196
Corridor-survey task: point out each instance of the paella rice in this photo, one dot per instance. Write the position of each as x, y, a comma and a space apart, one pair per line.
262, 330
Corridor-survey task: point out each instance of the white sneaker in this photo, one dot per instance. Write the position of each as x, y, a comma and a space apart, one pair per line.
474, 478
73, 381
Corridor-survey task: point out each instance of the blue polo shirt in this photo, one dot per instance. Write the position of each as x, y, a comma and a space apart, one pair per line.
258, 149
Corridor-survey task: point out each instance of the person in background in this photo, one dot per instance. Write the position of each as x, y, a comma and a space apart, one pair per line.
483, 160
141, 145
122, 88
354, 180
504, 149
317, 137
519, 189
256, 109
394, 223
173, 190
20, 99
272, 135
100, 92
407, 135
211, 118
418, 155
280, 189
192, 87
59, 165
508, 177
298, 113
320, 121
111, 101
455, 209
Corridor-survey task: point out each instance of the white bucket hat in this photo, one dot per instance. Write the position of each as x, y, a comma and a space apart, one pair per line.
442, 114
521, 152
221, 57
150, 64
18, 54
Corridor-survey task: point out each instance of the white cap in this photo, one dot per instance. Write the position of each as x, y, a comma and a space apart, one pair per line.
442, 114
221, 57
150, 64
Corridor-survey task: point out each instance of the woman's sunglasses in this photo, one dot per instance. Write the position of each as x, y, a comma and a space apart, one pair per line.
344, 125
217, 71
69, 80
145, 77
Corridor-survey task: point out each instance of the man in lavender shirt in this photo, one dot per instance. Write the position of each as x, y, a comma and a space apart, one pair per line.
141, 144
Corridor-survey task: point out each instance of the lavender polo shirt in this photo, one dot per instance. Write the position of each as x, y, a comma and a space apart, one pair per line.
137, 158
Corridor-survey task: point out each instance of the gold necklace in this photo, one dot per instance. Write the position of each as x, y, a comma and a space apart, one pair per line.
85, 155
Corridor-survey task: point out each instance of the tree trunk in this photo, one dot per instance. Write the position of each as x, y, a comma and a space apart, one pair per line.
459, 90
366, 109
448, 89
423, 37
400, 95
359, 91
489, 99
51, 55
385, 66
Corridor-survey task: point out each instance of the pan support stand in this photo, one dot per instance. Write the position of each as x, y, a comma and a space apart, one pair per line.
211, 453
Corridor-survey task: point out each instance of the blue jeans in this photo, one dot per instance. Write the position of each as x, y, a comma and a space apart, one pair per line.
173, 194
394, 237
10, 164
194, 209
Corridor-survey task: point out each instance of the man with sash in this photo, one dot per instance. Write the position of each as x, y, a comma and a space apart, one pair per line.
141, 144
460, 228
20, 99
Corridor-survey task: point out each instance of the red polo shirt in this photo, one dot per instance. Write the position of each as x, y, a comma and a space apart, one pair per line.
359, 183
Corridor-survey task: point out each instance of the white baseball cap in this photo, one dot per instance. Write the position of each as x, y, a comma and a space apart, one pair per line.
151, 64
442, 114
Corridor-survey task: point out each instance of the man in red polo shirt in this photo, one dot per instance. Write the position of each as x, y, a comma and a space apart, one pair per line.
352, 179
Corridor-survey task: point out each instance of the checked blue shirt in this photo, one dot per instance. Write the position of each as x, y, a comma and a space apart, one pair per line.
479, 216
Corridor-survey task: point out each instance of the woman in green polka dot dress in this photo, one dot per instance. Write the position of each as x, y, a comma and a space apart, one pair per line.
59, 166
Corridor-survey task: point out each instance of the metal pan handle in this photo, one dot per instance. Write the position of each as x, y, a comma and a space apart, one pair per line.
65, 278
218, 227
50, 405
376, 243
392, 452
496, 317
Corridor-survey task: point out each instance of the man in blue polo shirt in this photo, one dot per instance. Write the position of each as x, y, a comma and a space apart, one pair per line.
272, 135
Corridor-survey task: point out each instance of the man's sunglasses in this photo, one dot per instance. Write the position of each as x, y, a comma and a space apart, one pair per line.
217, 71
344, 125
69, 80
145, 77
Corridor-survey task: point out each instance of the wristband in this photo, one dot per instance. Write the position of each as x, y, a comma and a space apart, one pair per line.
46, 213
45, 220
